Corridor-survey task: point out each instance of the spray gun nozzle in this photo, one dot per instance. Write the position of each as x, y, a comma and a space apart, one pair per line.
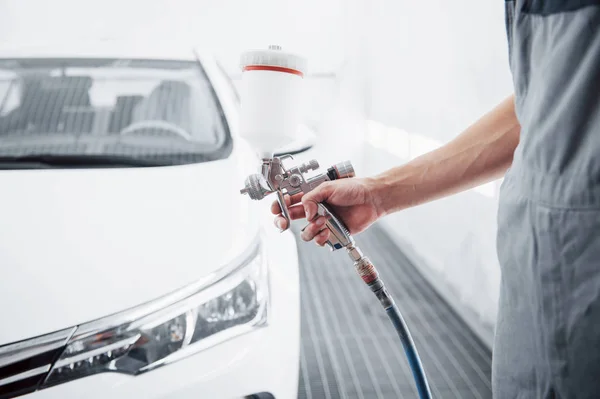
256, 187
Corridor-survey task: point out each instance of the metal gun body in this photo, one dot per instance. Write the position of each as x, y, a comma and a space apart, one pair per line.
275, 178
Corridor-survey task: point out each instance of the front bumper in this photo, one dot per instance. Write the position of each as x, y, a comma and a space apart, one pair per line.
264, 360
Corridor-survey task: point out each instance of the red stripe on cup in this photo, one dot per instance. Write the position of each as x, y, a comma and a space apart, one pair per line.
273, 68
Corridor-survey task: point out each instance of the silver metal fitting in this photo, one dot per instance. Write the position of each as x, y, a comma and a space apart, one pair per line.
344, 170
256, 187
355, 253
311, 165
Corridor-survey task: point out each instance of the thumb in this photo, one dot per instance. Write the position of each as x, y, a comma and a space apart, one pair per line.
310, 201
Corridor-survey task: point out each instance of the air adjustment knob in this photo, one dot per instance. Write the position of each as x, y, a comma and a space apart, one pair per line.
295, 180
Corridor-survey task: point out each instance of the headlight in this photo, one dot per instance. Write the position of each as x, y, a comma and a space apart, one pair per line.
231, 303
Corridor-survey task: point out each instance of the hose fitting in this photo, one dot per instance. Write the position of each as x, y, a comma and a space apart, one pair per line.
366, 270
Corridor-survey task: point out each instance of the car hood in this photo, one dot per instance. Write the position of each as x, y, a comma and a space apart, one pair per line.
76, 245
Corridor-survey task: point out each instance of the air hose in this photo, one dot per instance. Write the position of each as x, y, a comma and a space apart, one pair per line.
370, 276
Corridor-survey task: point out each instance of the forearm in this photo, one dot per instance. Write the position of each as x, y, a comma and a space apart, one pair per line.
480, 154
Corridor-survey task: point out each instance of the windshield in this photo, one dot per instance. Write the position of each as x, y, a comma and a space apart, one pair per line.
166, 111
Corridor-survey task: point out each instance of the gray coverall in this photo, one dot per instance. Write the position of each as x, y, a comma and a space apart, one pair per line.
547, 341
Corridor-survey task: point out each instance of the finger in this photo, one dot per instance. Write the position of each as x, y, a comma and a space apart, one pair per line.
322, 237
294, 199
312, 229
297, 212
311, 200
281, 223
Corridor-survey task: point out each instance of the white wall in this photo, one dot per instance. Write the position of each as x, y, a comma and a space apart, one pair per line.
435, 67
225, 27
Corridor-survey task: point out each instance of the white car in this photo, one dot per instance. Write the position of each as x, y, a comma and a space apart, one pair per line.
131, 266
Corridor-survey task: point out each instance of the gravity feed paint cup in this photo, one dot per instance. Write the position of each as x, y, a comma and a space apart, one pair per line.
271, 97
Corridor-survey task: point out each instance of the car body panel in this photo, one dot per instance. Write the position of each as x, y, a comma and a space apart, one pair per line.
265, 360
77, 245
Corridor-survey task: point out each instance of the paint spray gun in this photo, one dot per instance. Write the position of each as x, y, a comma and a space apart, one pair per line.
271, 97
271, 93
277, 179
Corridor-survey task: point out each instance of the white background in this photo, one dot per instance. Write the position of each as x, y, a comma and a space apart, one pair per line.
389, 80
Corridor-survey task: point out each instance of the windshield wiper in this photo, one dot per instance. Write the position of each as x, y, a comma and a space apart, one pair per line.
44, 161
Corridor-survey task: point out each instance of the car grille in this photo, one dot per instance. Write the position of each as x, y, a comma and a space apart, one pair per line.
24, 365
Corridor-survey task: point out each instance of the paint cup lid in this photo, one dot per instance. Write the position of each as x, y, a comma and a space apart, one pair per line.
273, 59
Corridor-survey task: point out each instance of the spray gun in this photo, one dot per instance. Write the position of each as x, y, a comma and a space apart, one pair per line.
277, 179
271, 87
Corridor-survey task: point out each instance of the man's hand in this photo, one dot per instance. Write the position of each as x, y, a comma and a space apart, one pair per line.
354, 201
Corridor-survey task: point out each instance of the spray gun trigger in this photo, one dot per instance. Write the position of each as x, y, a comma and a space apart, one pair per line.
284, 210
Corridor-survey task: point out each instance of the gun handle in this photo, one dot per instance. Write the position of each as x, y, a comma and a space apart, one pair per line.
339, 236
